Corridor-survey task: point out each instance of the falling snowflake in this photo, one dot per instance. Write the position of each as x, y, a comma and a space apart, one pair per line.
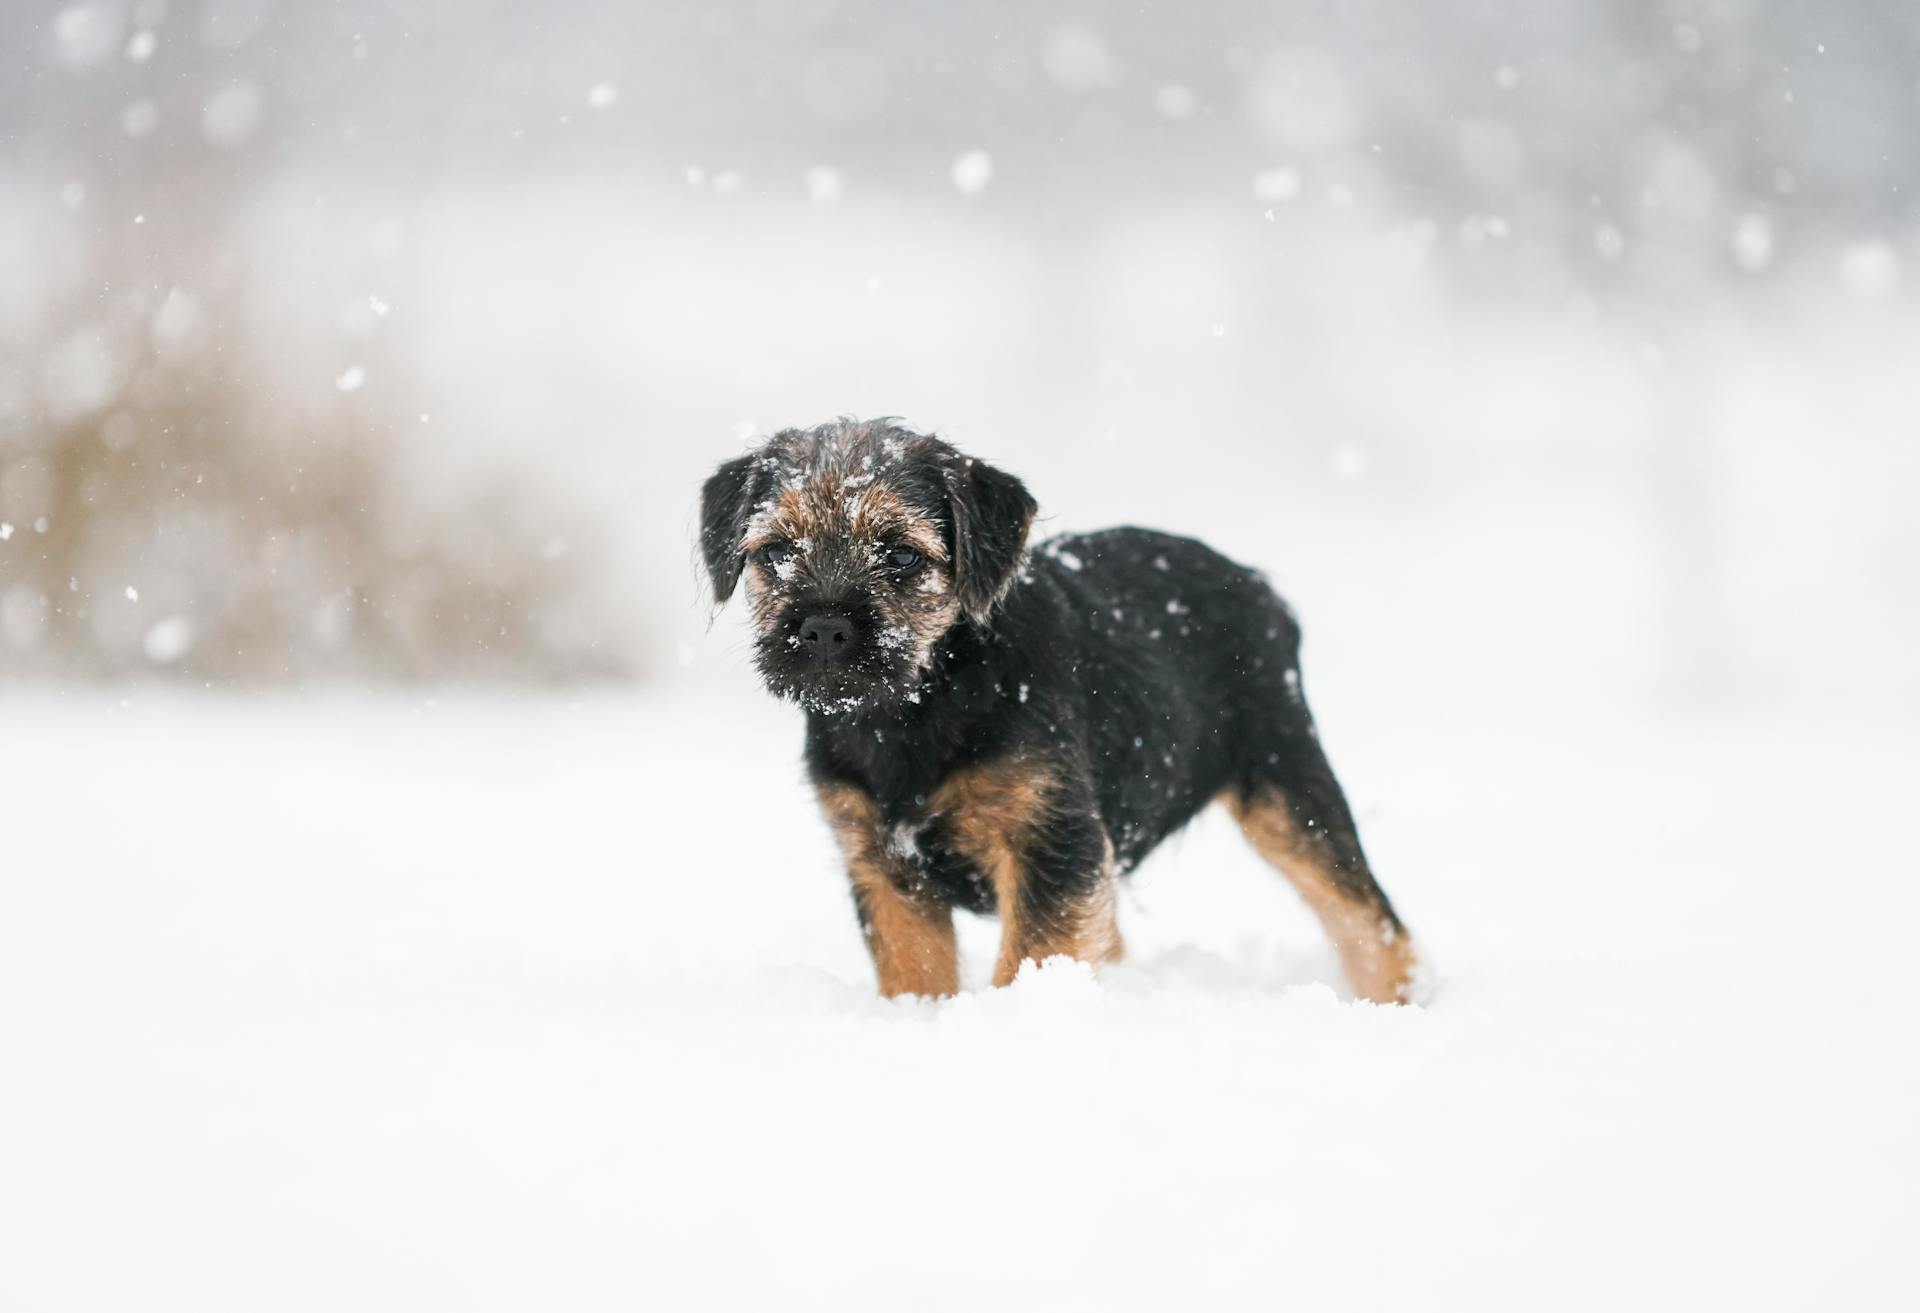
168, 640
1753, 242
1276, 185
232, 114
1176, 101
972, 172
825, 185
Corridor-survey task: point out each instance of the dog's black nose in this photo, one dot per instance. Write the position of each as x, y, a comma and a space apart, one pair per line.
829, 639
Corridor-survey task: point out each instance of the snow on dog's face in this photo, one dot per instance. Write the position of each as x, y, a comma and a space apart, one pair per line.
862, 544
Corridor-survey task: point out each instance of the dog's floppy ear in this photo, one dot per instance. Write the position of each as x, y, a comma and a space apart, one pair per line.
992, 512
726, 504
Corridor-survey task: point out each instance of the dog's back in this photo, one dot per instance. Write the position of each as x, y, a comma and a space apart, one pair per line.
1183, 665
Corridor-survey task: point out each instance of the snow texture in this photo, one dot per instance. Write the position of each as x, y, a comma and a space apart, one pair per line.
457, 1004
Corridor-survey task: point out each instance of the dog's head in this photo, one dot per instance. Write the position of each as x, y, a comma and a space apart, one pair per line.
862, 544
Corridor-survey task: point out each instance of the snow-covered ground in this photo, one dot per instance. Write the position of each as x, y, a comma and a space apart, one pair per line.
559, 1004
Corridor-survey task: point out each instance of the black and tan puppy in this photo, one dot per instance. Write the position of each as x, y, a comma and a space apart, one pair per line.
1011, 731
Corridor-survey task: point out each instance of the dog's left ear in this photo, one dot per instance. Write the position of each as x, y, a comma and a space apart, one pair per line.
992, 512
726, 504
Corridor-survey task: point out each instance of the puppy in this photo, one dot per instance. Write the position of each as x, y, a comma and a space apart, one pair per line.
1011, 731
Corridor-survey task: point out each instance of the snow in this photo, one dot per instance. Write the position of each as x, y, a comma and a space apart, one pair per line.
166, 641
559, 1003
1347, 462
139, 119
972, 172
1870, 270
1276, 185
1299, 97
1077, 59
1176, 101
825, 186
1753, 242
23, 616
231, 115
231, 24
86, 34
175, 322
80, 375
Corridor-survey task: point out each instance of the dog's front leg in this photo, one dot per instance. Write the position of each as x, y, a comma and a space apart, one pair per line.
911, 938
910, 935
1029, 825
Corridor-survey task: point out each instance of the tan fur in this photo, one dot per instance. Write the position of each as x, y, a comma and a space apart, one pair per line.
833, 503
992, 812
911, 939
837, 505
1379, 959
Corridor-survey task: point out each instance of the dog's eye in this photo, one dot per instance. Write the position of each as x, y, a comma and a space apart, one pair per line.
901, 560
775, 555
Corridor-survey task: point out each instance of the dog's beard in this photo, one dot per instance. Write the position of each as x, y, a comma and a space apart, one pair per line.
886, 673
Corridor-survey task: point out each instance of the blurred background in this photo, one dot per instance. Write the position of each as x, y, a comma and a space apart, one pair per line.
406, 891
1558, 356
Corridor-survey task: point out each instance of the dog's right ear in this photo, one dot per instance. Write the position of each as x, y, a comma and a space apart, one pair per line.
726, 504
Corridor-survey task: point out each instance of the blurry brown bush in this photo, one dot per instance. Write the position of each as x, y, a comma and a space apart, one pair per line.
189, 525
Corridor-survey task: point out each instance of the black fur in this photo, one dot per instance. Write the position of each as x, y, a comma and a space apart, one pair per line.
725, 503
1144, 675
1159, 685
991, 512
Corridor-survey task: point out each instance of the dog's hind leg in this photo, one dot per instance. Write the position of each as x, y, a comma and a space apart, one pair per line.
1294, 814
